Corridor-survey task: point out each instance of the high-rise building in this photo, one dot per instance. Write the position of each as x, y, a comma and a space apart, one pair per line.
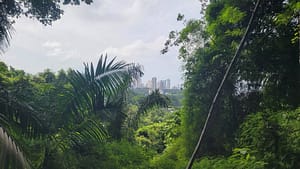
168, 84
161, 84
154, 83
164, 84
149, 84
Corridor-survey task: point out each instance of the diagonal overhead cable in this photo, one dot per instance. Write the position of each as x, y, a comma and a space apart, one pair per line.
211, 108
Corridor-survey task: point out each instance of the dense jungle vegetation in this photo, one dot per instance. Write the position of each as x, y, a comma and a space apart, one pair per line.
91, 119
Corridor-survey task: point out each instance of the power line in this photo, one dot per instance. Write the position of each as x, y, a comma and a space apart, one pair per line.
211, 108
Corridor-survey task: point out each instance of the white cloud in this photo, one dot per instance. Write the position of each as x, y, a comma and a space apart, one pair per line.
137, 49
147, 53
51, 44
133, 30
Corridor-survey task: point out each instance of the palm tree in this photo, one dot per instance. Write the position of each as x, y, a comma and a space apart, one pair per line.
96, 105
100, 92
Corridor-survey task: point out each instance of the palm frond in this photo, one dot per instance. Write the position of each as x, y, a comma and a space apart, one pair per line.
5, 30
10, 153
100, 91
89, 131
17, 118
18, 114
93, 87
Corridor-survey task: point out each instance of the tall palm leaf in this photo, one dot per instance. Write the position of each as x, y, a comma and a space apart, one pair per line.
10, 153
89, 131
100, 90
5, 30
95, 87
15, 113
16, 118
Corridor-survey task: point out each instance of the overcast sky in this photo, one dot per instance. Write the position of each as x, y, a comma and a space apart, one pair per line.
132, 30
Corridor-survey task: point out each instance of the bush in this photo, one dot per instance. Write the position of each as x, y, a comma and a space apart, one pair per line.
275, 136
116, 155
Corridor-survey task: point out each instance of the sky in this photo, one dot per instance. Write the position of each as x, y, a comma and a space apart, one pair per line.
131, 30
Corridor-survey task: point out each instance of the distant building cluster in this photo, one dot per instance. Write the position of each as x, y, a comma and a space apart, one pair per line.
153, 84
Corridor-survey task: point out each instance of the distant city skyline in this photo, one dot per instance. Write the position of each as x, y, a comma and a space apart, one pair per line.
155, 83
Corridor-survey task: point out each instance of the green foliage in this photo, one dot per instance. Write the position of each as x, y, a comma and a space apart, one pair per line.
88, 132
231, 15
172, 158
68, 111
158, 134
108, 155
267, 75
11, 156
152, 100
125, 155
16, 112
176, 97
63, 120
17, 118
289, 16
136, 95
240, 159
275, 136
100, 92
